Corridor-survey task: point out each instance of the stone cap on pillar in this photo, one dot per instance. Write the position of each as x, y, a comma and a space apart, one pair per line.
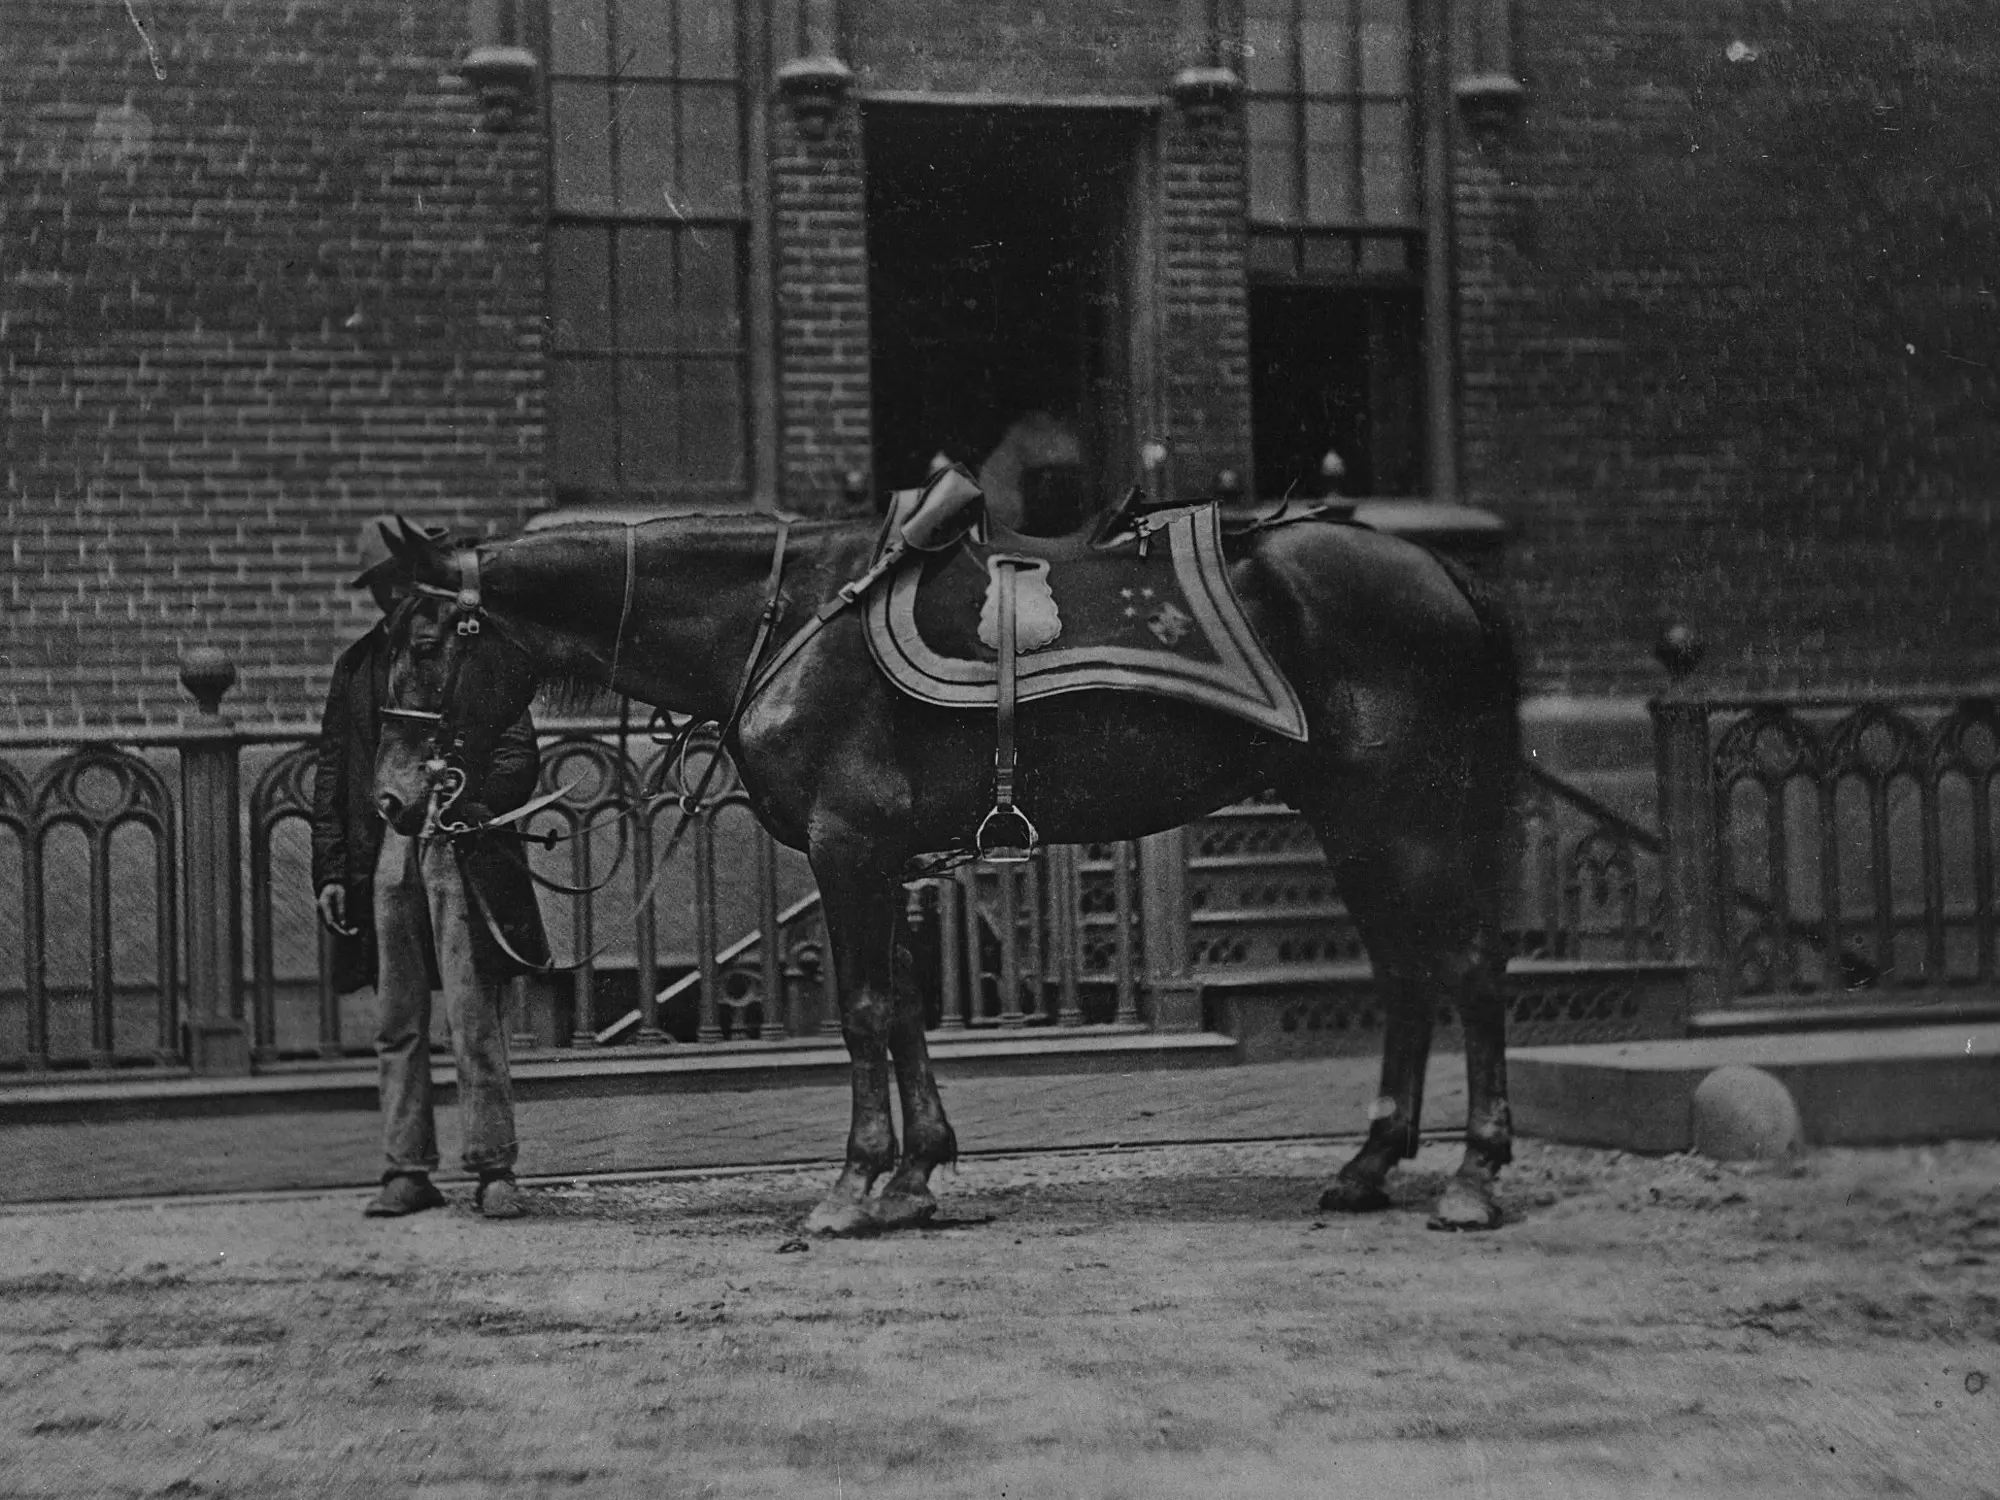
207, 673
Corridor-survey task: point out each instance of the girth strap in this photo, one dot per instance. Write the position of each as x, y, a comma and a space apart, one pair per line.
1005, 836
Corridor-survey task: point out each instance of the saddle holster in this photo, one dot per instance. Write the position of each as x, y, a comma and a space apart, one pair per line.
942, 514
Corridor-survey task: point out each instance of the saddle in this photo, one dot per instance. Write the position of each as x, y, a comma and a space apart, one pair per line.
972, 615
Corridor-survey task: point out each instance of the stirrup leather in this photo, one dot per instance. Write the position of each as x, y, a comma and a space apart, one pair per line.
1006, 836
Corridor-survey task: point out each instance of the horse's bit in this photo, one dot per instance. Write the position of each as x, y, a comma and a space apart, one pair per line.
447, 780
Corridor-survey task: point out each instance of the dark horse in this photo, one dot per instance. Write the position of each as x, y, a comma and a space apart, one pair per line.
1409, 687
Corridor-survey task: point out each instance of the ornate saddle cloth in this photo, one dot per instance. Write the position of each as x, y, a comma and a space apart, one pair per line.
1138, 617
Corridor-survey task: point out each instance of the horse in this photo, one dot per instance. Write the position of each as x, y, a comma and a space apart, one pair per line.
1404, 668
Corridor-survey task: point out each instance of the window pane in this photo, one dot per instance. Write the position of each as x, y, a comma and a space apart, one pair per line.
1268, 55
576, 36
1272, 255
1330, 255
712, 409
582, 146
1326, 40
646, 288
711, 151
580, 424
646, 421
1388, 185
646, 150
1386, 253
645, 38
711, 297
708, 39
1274, 191
579, 288
1385, 46
1329, 164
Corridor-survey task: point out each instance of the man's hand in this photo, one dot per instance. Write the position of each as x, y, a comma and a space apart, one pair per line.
333, 908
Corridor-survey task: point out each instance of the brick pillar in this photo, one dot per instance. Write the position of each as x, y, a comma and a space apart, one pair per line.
1204, 342
822, 289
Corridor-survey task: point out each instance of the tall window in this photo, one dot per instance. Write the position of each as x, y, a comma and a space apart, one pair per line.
647, 250
1336, 246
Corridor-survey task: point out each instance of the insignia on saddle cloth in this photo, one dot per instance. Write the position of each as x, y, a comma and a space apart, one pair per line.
1163, 621
1037, 621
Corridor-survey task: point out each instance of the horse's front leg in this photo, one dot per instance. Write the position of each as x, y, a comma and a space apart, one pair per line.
863, 915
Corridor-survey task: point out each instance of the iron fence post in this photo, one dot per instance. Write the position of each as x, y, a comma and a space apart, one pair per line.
1171, 985
1687, 818
214, 1037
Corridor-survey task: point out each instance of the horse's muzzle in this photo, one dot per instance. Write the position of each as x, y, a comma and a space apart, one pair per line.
407, 818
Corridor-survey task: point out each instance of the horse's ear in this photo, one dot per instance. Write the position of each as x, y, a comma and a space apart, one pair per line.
419, 549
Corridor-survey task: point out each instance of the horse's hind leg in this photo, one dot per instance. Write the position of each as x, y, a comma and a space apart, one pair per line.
1428, 913
1396, 1115
1468, 1201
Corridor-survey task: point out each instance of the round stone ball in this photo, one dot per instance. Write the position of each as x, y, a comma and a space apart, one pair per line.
1744, 1114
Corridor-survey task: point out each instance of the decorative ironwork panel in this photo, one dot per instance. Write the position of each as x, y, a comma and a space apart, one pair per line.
1855, 849
99, 793
23, 1020
281, 804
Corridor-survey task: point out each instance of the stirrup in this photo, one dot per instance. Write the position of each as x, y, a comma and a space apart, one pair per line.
1006, 837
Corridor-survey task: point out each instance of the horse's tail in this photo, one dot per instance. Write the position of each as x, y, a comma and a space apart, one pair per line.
1503, 660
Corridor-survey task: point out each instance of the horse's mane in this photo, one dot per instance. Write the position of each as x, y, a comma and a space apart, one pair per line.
564, 690
570, 694
685, 532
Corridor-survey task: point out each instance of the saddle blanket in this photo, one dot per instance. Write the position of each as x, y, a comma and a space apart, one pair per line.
1160, 620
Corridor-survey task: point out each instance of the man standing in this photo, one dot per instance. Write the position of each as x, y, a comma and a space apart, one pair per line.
402, 917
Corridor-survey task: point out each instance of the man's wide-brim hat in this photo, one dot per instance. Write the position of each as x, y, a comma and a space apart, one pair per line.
372, 547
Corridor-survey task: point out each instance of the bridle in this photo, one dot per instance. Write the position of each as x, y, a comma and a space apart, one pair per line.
448, 780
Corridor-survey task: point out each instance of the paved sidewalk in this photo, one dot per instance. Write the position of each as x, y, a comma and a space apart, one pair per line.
671, 1128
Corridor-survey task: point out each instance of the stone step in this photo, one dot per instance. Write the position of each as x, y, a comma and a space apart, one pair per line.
1331, 1009
1852, 1087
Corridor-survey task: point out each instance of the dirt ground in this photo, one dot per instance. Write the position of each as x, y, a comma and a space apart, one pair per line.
1159, 1322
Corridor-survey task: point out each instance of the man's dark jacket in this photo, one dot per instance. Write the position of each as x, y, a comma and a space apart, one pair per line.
347, 830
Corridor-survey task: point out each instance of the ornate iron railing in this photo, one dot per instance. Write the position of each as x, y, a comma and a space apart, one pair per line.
1810, 850
1828, 853
1867, 832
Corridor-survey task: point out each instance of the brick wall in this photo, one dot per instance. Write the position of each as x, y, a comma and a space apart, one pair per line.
1034, 48
820, 235
1727, 326
1204, 310
275, 286
1730, 346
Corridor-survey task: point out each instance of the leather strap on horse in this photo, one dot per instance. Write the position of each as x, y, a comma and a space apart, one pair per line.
468, 590
1005, 835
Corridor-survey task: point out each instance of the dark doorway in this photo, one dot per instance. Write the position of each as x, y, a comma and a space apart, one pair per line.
1000, 275
1339, 368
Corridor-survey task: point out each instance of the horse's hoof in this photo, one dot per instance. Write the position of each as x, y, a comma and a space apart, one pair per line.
1350, 1195
842, 1218
1465, 1206
902, 1210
